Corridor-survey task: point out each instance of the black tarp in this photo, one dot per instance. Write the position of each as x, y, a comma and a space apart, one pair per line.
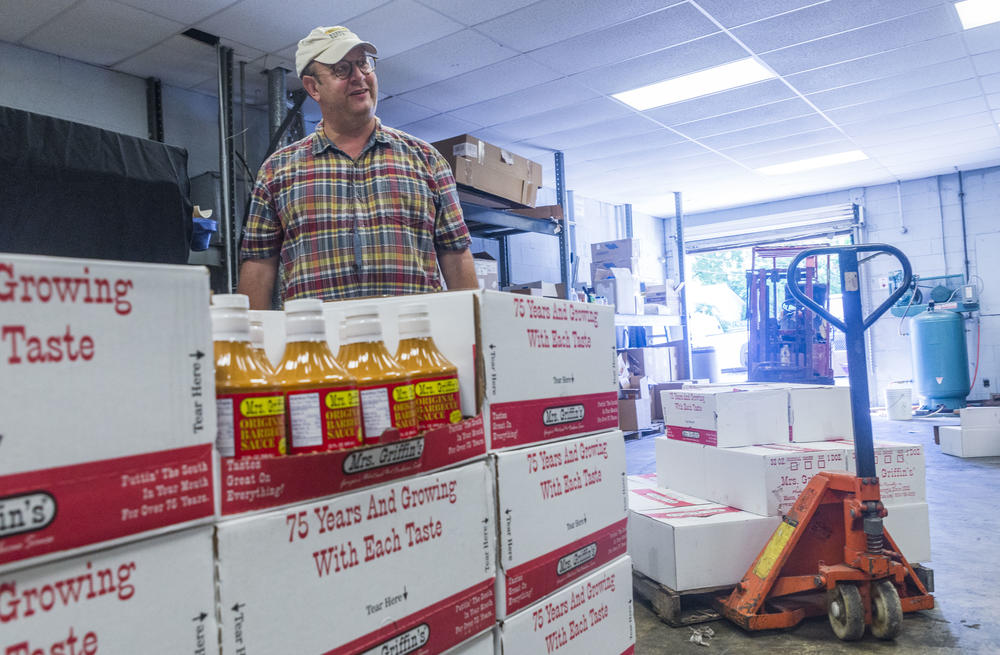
73, 190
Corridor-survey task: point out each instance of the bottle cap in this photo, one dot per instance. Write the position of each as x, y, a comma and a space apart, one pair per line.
257, 334
230, 317
414, 321
361, 323
304, 320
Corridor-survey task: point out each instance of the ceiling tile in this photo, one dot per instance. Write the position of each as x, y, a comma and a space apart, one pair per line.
663, 65
724, 102
584, 113
391, 36
253, 21
916, 135
619, 43
625, 146
866, 41
991, 83
439, 127
946, 143
397, 111
101, 32
534, 100
179, 61
883, 89
614, 128
472, 13
785, 143
880, 65
182, 11
740, 120
821, 20
483, 84
792, 126
783, 157
18, 18
915, 118
907, 101
655, 156
993, 100
982, 39
551, 21
988, 62
732, 14
441, 59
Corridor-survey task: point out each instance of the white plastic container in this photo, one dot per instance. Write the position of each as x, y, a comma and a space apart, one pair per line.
899, 402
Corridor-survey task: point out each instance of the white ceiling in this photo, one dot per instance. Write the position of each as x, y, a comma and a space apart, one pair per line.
897, 79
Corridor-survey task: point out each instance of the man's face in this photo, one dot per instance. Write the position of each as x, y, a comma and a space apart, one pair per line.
351, 99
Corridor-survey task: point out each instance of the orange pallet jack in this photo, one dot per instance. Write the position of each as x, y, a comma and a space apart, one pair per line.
830, 554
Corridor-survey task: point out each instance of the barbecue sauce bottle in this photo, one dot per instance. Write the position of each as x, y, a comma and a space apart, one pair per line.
435, 379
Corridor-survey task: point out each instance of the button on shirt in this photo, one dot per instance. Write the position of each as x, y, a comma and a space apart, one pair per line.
351, 228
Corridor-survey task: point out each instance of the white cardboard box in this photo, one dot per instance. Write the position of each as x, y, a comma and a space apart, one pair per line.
155, 597
726, 417
980, 417
395, 567
592, 616
562, 510
108, 412
909, 525
680, 465
484, 644
643, 493
969, 442
766, 479
819, 413
900, 467
696, 546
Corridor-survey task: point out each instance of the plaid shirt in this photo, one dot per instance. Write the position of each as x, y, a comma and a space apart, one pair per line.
348, 229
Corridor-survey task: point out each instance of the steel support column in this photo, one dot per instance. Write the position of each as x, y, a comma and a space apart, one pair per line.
564, 247
226, 156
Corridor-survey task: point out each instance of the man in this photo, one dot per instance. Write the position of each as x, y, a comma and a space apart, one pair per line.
356, 208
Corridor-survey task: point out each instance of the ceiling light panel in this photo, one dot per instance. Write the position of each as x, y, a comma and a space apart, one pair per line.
713, 80
812, 163
976, 13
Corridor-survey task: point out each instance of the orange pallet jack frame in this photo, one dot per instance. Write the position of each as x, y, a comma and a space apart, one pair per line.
830, 554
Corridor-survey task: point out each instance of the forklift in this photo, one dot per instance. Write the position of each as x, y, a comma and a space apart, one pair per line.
830, 554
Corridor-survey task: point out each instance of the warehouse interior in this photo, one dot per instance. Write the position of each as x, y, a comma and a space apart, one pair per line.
856, 122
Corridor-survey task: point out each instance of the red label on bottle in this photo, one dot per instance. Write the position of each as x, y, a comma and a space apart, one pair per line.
324, 419
385, 406
251, 424
438, 402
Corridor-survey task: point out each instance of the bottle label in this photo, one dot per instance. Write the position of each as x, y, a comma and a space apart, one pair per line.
438, 402
324, 419
252, 424
387, 406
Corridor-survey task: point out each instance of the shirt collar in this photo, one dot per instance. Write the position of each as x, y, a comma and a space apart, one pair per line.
321, 142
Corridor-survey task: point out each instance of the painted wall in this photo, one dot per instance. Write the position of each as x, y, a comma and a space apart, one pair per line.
923, 218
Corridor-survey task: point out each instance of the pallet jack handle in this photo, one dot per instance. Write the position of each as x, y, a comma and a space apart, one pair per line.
854, 326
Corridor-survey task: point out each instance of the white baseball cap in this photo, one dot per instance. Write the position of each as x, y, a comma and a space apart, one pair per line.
328, 45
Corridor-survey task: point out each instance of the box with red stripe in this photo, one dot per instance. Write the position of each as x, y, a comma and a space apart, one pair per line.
403, 567
562, 509
107, 418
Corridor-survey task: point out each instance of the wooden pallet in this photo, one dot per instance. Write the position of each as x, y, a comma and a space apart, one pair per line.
656, 428
677, 609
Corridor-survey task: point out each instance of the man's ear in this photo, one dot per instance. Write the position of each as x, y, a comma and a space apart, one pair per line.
309, 83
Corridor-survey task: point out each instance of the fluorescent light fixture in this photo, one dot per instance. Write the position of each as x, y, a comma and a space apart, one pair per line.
974, 13
813, 162
685, 87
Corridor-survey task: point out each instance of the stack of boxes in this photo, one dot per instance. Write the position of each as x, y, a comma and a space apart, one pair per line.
490, 169
120, 527
614, 271
734, 460
977, 436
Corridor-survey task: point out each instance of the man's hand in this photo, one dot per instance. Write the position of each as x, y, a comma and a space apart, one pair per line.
458, 269
257, 278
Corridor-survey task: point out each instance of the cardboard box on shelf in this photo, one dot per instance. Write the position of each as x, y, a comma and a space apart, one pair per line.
499, 342
562, 514
539, 288
634, 414
909, 526
155, 596
615, 251
658, 364
603, 270
491, 169
592, 615
692, 546
724, 416
487, 273
376, 556
108, 408
621, 290
969, 442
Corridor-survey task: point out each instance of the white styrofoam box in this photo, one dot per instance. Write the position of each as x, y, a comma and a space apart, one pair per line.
592, 615
901, 469
766, 479
726, 417
695, 547
562, 510
484, 644
980, 417
409, 563
643, 493
155, 596
680, 465
108, 414
909, 526
818, 413
969, 442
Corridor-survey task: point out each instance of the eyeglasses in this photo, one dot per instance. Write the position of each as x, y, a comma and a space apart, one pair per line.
343, 68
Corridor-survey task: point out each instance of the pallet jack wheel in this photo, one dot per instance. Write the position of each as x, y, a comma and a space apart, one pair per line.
846, 612
887, 611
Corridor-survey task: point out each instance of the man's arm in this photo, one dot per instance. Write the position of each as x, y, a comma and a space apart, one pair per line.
257, 281
458, 269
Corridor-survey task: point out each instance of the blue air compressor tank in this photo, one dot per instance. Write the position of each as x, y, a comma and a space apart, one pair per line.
940, 358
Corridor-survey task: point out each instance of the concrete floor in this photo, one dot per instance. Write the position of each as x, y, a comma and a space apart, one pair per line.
965, 526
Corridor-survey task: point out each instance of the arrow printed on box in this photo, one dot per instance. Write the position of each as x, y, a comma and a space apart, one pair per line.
238, 606
196, 354
201, 617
